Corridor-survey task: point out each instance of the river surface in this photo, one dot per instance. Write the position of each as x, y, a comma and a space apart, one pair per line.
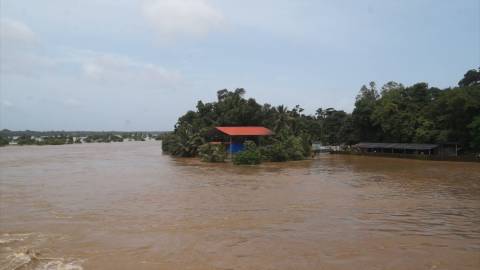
127, 206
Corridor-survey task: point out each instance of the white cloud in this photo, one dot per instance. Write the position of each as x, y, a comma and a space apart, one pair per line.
18, 49
15, 33
121, 70
173, 18
7, 104
110, 70
72, 102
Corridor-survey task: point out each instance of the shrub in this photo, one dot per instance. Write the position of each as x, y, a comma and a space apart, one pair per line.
183, 143
4, 141
306, 140
249, 156
212, 153
169, 142
294, 148
274, 152
25, 140
288, 148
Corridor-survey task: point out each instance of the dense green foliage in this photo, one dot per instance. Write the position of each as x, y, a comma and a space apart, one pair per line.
475, 130
38, 134
212, 152
65, 138
249, 156
161, 136
184, 142
291, 127
4, 141
50, 140
26, 140
56, 140
286, 147
394, 113
136, 136
104, 138
418, 113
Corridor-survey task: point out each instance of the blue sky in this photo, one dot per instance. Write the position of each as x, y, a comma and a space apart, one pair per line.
139, 65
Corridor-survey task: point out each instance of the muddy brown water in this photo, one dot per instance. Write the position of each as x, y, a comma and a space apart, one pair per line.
127, 206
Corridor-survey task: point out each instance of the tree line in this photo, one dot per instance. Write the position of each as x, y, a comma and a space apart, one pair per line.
392, 113
60, 138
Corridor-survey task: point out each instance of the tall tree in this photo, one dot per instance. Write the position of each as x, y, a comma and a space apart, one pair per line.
472, 77
364, 107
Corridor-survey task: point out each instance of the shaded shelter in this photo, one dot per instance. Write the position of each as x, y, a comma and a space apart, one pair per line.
399, 148
234, 137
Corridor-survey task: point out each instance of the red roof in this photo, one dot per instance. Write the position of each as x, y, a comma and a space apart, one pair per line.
245, 131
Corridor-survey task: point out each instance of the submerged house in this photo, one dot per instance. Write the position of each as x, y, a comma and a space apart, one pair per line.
447, 149
234, 137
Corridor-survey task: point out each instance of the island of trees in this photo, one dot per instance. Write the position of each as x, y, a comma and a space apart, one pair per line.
29, 137
393, 113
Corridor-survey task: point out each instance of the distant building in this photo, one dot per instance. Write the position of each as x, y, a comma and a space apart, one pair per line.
447, 149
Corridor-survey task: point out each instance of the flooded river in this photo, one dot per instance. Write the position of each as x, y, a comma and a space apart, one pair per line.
127, 206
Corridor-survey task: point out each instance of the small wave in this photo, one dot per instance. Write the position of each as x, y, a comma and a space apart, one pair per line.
29, 258
18, 260
60, 265
7, 238
23, 251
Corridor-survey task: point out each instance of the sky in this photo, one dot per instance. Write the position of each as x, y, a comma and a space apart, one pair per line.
139, 65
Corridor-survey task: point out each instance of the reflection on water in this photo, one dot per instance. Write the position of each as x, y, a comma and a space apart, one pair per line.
127, 206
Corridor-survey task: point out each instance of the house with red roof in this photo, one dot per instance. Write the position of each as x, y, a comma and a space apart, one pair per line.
234, 137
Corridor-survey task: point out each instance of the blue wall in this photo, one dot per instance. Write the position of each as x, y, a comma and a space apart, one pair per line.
236, 147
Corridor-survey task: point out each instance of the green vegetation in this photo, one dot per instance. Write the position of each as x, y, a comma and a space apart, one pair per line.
4, 141
475, 131
286, 147
249, 156
419, 113
161, 136
11, 133
26, 140
136, 136
29, 137
393, 113
56, 140
192, 129
51, 140
183, 143
104, 138
212, 152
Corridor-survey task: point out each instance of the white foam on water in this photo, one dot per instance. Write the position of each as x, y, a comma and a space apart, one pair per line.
17, 260
60, 265
7, 238
23, 251
20, 259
